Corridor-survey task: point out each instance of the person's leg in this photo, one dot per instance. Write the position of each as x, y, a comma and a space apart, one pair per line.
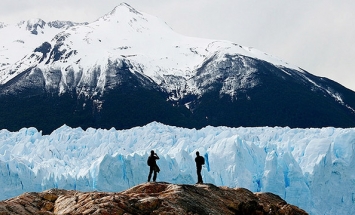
199, 176
155, 176
150, 174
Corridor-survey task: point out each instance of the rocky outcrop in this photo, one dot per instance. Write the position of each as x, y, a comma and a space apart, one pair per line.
151, 198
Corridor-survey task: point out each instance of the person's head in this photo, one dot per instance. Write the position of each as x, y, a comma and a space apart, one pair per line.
197, 153
152, 152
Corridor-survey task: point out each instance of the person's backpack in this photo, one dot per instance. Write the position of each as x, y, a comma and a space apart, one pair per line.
150, 161
202, 160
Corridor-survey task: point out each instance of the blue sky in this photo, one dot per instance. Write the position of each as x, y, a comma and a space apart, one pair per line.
317, 36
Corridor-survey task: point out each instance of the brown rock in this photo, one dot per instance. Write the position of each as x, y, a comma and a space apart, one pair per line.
47, 206
151, 198
50, 197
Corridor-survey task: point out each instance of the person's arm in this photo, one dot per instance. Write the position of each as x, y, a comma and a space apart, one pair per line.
156, 156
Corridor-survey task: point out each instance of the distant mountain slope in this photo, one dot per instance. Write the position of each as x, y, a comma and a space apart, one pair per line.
129, 68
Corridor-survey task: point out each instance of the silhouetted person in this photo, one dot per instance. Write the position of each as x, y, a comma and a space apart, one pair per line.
153, 165
199, 162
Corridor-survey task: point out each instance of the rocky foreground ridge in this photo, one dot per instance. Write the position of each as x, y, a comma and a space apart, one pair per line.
151, 198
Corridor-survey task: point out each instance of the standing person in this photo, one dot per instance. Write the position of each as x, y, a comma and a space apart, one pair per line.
199, 162
153, 165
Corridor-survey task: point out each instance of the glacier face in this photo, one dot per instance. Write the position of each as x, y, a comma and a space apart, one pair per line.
310, 168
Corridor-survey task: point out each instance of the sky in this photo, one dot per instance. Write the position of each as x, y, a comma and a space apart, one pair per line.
318, 36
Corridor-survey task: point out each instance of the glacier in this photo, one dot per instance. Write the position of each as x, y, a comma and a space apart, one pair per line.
311, 168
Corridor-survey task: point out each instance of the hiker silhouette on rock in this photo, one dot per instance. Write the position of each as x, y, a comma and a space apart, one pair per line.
199, 162
153, 165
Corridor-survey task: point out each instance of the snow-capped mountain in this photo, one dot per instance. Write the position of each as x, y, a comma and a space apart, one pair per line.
148, 45
310, 168
127, 53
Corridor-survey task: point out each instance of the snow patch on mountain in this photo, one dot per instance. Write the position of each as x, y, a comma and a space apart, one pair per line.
19, 41
2, 25
35, 26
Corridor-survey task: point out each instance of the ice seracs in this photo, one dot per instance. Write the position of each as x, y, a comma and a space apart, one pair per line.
310, 168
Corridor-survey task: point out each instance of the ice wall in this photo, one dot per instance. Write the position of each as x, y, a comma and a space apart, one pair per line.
310, 168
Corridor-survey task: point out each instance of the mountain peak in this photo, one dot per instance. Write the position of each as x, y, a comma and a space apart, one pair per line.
32, 25
124, 6
120, 11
